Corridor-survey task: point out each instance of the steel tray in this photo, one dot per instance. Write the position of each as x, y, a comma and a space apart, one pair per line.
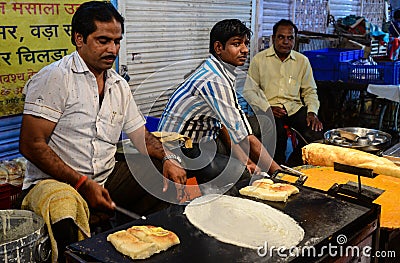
393, 154
368, 140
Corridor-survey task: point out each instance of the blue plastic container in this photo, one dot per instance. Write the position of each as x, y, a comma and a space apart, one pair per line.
9, 136
382, 73
325, 62
152, 123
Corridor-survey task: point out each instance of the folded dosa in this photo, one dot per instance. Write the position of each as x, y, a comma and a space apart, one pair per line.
326, 155
161, 237
131, 246
140, 242
266, 189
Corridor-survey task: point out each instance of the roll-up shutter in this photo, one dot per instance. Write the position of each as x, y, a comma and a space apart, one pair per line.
166, 40
343, 8
273, 11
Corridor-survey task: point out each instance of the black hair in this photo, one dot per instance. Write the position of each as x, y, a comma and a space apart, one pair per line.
83, 21
284, 22
225, 29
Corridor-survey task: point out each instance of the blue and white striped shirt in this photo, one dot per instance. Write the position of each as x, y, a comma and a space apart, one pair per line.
205, 101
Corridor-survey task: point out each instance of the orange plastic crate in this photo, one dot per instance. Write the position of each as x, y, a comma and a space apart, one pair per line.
8, 195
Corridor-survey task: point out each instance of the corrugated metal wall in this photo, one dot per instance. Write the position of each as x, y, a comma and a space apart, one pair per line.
273, 11
166, 40
342, 8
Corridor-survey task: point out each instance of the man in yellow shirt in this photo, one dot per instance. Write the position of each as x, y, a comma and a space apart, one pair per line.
281, 79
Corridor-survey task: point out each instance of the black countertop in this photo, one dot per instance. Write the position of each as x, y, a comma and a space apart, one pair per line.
323, 218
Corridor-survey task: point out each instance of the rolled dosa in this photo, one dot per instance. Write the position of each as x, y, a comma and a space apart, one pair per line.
326, 155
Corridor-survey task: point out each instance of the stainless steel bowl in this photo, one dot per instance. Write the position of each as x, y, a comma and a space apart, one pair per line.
371, 140
23, 237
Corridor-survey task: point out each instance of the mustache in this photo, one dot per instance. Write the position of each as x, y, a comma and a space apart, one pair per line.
109, 57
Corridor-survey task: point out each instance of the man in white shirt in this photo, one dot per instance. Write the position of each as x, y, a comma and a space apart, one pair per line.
75, 110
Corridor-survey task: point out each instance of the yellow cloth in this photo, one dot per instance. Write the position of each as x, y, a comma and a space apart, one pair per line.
281, 83
173, 136
54, 201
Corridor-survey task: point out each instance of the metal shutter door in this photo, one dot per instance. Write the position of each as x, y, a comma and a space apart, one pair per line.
342, 8
166, 40
273, 11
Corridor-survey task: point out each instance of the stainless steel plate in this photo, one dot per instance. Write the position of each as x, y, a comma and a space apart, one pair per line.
368, 140
393, 154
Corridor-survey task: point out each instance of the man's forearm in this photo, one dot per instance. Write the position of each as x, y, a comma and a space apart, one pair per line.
260, 155
154, 147
34, 135
50, 163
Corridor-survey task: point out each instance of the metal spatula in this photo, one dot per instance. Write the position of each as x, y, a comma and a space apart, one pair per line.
129, 213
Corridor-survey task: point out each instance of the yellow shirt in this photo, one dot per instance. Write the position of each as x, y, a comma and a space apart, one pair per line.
284, 84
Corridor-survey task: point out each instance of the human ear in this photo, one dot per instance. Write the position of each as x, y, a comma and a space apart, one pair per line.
218, 47
78, 39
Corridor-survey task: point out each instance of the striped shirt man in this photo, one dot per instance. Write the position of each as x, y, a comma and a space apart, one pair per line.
204, 102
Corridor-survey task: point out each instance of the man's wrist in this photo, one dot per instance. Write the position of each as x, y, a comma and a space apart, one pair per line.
172, 157
80, 182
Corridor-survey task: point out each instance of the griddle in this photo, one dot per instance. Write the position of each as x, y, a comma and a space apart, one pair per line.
323, 218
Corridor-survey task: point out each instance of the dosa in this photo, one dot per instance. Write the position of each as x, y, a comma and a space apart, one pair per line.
243, 222
140, 242
266, 189
326, 155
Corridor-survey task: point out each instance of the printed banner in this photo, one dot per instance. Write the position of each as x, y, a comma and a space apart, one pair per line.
33, 34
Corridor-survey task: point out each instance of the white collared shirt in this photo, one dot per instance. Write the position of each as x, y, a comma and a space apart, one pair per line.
66, 92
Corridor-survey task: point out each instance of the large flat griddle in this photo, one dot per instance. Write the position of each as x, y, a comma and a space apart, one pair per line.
323, 217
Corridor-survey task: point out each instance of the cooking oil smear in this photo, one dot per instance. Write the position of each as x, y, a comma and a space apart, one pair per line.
5, 255
5, 218
18, 260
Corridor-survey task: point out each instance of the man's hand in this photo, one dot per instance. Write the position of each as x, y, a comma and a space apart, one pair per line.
312, 119
148, 144
96, 195
173, 170
253, 168
278, 111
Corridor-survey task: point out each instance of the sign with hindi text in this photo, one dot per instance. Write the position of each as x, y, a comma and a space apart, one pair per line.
33, 34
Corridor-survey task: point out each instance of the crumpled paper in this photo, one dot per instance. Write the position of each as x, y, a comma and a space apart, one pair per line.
173, 136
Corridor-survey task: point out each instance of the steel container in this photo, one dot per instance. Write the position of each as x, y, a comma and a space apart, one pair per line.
23, 237
368, 140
